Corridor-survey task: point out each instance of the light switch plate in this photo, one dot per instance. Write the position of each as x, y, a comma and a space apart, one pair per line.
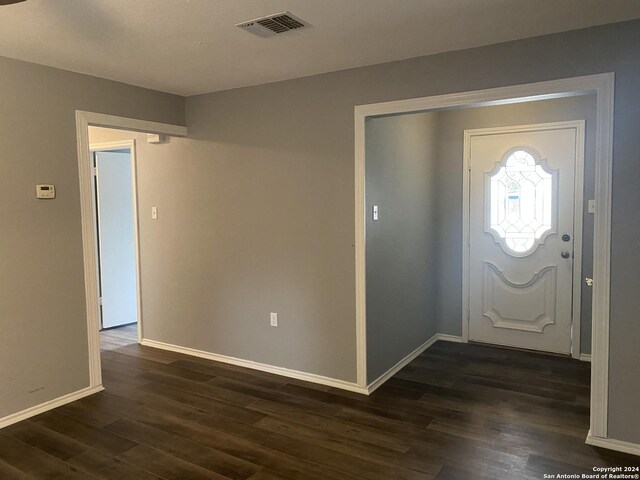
591, 206
376, 216
154, 213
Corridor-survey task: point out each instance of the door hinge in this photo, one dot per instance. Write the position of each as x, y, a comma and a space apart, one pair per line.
99, 300
94, 171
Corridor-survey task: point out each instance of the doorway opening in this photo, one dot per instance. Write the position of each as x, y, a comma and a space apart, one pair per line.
460, 198
110, 149
114, 168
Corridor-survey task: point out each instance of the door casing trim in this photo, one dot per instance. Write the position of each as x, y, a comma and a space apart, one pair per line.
602, 86
578, 212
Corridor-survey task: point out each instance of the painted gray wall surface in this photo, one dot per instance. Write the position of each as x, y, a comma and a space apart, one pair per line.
261, 204
252, 220
401, 156
452, 125
43, 333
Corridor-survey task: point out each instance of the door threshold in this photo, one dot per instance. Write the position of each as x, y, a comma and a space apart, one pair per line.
118, 326
520, 349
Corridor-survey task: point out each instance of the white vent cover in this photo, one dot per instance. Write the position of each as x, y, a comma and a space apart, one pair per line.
272, 24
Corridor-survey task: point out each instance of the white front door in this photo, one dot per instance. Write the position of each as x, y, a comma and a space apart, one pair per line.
521, 222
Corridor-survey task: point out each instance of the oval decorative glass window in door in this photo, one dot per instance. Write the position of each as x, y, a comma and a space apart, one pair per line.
520, 202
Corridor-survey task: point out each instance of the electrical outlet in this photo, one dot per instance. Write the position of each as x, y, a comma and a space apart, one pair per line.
274, 319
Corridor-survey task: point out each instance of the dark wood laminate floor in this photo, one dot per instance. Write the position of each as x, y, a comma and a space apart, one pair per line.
456, 412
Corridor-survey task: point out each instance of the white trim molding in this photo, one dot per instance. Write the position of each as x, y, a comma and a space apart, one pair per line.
612, 444
46, 406
600, 85
604, 85
373, 386
263, 367
585, 357
360, 249
87, 212
132, 124
449, 338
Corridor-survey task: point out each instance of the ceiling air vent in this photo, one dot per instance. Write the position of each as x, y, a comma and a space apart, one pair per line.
272, 24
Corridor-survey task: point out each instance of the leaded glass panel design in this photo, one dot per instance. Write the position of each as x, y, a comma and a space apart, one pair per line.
521, 201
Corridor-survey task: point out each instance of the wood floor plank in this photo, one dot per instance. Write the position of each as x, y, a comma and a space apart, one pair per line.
166, 466
338, 428
8, 472
260, 379
199, 388
457, 411
107, 467
279, 396
194, 425
187, 450
97, 438
141, 365
91, 416
35, 463
266, 475
153, 391
53, 443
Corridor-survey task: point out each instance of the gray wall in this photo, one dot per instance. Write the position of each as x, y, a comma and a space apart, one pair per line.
43, 333
452, 125
255, 216
260, 203
401, 157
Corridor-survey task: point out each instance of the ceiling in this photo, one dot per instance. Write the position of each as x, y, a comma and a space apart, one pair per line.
191, 46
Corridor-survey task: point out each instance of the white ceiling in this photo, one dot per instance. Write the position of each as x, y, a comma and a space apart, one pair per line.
191, 46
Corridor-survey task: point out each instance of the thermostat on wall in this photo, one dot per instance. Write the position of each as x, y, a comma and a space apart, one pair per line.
45, 191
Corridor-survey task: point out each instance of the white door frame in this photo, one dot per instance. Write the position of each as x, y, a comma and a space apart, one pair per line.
578, 211
601, 85
89, 240
131, 146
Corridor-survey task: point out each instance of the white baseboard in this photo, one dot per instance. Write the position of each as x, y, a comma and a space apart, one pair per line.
611, 444
409, 358
50, 405
584, 357
449, 338
263, 367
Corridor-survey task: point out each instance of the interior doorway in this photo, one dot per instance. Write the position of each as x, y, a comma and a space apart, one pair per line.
115, 194
85, 122
370, 216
